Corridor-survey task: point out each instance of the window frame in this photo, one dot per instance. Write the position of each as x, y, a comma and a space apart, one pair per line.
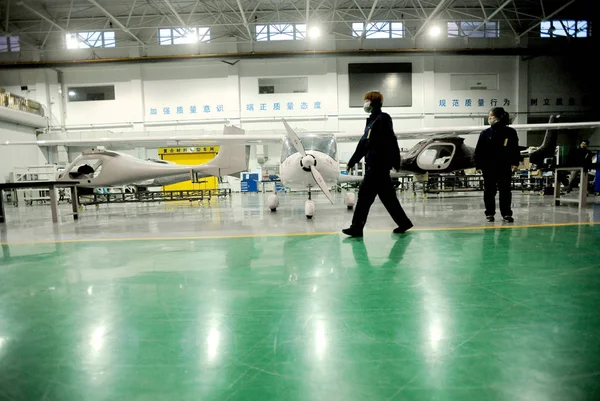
490, 29
549, 28
379, 30
82, 39
296, 32
201, 33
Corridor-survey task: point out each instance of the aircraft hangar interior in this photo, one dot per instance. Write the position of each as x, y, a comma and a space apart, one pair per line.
299, 200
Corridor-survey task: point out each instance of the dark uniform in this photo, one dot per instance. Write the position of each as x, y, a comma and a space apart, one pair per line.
379, 147
496, 152
582, 157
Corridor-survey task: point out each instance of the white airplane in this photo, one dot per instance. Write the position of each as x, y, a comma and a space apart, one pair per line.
311, 162
106, 168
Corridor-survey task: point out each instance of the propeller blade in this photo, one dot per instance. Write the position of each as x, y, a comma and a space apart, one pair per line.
291, 134
321, 182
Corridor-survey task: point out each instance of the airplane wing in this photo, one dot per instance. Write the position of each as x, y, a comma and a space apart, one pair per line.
191, 138
343, 178
160, 141
424, 133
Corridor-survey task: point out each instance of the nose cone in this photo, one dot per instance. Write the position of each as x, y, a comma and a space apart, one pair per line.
308, 161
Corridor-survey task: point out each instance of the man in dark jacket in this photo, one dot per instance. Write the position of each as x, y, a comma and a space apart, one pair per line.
582, 158
379, 147
496, 155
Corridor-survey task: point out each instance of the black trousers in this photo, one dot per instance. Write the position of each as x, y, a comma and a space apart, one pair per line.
374, 184
497, 180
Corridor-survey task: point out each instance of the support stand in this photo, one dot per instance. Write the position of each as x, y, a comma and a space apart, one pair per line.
583, 178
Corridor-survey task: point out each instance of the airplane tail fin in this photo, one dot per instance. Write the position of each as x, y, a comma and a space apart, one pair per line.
233, 157
547, 148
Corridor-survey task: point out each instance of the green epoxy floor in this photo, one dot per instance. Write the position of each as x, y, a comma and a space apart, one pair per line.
504, 314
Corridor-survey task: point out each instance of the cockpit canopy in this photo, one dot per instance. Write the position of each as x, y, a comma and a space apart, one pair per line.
321, 143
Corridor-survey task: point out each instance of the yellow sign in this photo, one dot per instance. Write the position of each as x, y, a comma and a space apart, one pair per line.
191, 149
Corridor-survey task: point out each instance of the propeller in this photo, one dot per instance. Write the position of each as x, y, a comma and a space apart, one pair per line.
309, 163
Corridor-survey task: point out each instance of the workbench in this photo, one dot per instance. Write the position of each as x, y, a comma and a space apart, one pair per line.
52, 186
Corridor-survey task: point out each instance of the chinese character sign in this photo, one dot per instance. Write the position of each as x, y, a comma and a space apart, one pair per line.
556, 102
470, 103
189, 110
197, 110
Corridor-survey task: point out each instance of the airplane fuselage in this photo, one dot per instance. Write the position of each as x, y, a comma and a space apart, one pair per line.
294, 176
441, 155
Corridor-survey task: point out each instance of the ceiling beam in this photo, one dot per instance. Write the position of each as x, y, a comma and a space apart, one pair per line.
307, 10
192, 12
116, 21
487, 19
130, 13
435, 11
7, 15
245, 20
175, 13
367, 21
42, 16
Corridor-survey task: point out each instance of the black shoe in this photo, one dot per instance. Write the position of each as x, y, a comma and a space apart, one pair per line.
490, 219
403, 229
353, 232
508, 219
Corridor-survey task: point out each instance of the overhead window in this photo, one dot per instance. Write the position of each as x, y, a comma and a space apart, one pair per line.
379, 30
9, 44
91, 93
280, 32
473, 29
562, 28
180, 36
85, 40
283, 85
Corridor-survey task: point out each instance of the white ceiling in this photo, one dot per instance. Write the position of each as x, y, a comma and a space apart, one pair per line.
38, 22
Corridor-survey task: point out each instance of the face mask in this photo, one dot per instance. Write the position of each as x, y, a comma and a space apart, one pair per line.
493, 122
367, 107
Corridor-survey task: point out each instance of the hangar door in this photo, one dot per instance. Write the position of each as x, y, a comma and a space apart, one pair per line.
190, 156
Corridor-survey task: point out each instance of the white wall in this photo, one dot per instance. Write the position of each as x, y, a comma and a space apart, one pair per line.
17, 156
561, 85
125, 108
468, 101
189, 92
142, 88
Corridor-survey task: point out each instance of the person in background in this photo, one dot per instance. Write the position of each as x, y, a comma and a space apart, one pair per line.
379, 147
581, 158
497, 156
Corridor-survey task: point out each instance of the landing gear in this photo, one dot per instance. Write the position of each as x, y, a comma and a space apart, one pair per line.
273, 202
350, 200
309, 206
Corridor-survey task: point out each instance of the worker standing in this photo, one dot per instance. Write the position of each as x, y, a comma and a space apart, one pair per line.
497, 156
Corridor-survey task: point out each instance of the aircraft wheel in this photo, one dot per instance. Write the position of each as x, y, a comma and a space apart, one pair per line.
273, 202
350, 200
309, 209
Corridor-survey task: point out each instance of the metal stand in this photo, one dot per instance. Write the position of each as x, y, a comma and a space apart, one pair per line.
75, 203
582, 198
52, 185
